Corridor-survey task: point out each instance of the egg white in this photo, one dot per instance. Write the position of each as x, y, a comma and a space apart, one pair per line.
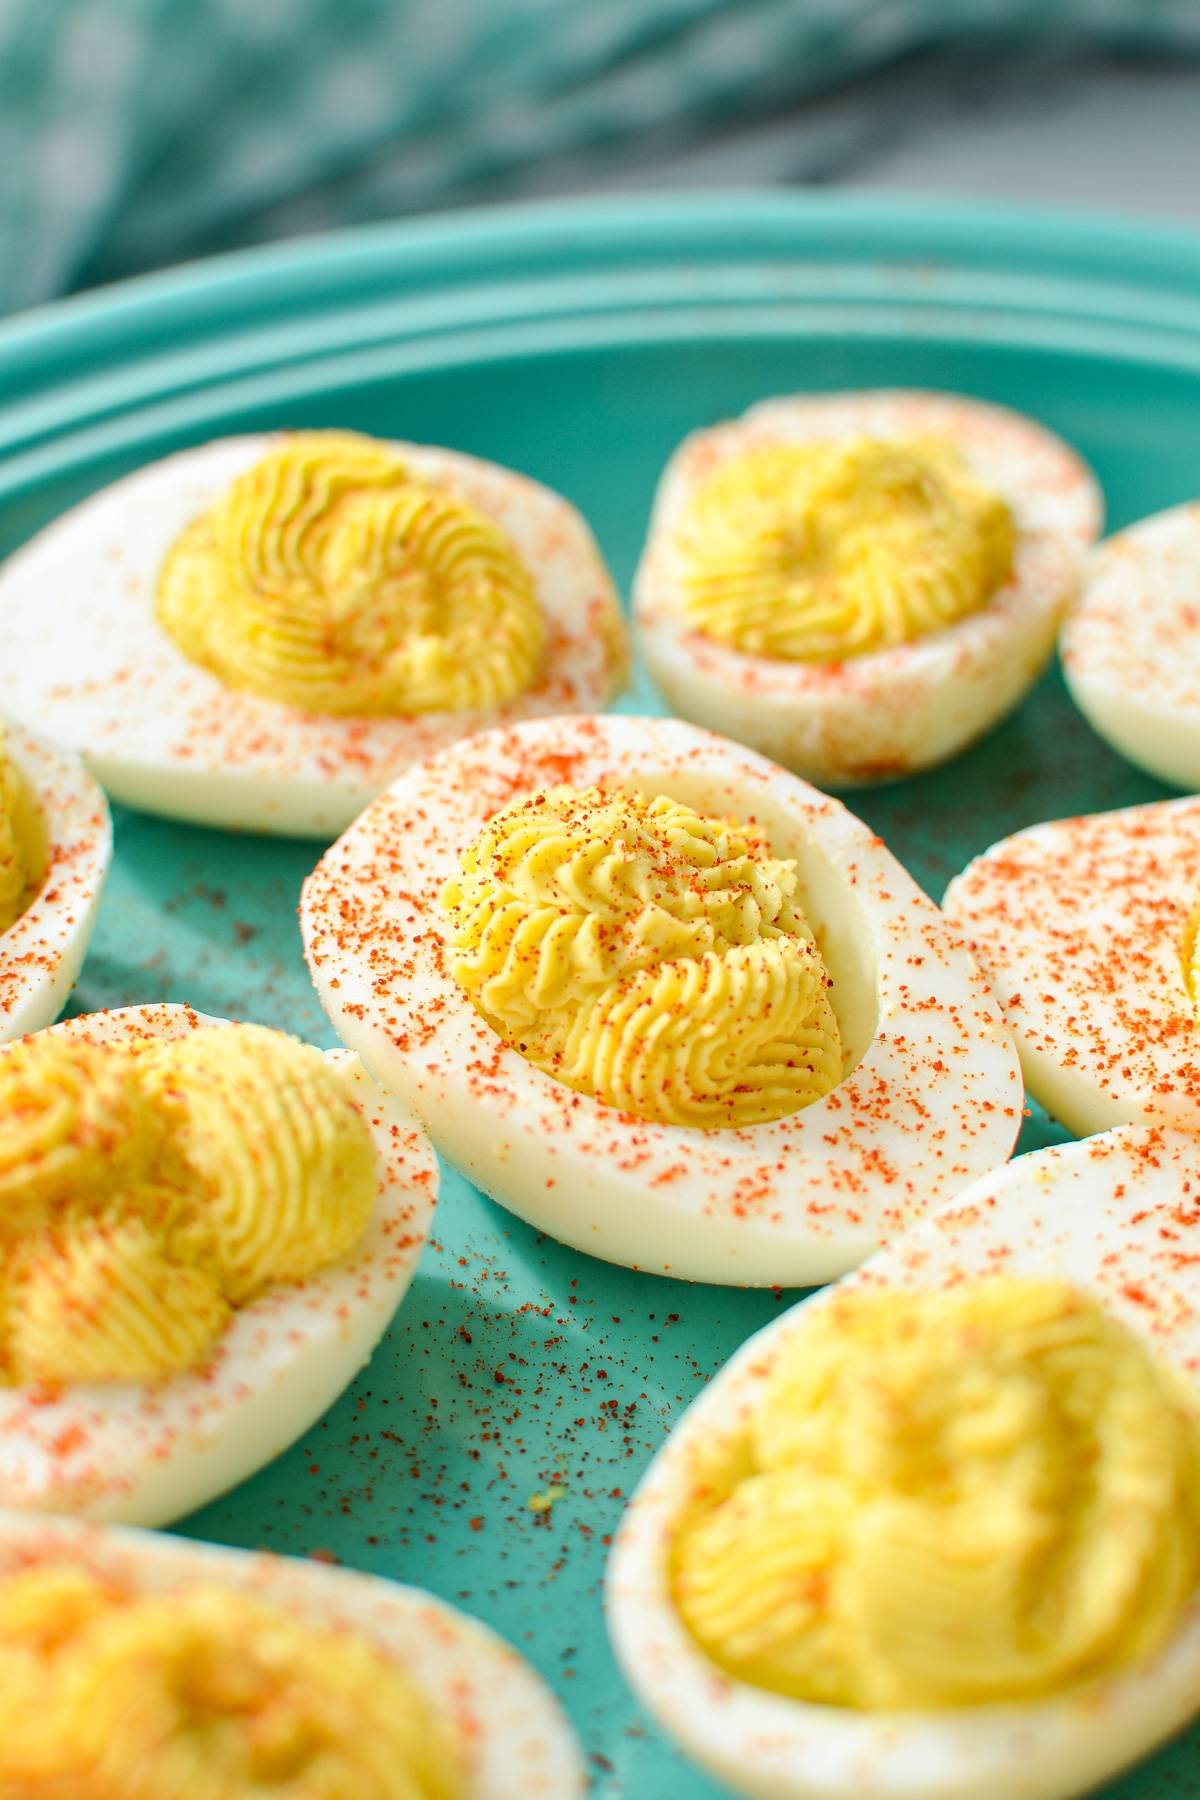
891, 712
1131, 645
41, 952
83, 656
147, 1453
1117, 1216
513, 1734
932, 1099
1079, 924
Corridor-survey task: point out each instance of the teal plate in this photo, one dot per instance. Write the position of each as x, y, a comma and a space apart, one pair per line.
578, 344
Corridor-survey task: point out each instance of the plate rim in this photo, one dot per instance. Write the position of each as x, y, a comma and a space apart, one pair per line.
127, 365
1066, 232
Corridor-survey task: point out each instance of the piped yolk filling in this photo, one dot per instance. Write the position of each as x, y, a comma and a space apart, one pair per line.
986, 1494
1190, 959
645, 954
148, 1190
18, 842
823, 551
204, 1693
331, 578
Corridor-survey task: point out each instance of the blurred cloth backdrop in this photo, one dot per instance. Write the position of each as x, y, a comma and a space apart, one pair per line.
135, 133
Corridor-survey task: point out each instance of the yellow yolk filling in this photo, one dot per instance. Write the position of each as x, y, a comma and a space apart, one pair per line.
112, 1294
982, 1495
331, 578
646, 954
73, 1122
208, 1694
41, 1612
18, 842
146, 1191
1191, 960
823, 551
252, 1115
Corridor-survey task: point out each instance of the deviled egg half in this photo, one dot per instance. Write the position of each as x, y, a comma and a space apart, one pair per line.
206, 1229
55, 848
264, 631
1086, 928
861, 584
144, 1666
1131, 644
662, 999
934, 1534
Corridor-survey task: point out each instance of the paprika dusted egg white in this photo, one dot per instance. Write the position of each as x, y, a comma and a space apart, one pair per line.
859, 585
662, 999
1086, 928
1129, 644
933, 1534
262, 632
206, 1229
144, 1665
55, 848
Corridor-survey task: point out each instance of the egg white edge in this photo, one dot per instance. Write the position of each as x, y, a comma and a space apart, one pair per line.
56, 926
774, 1748
1070, 1093
977, 669
255, 793
223, 1429
517, 1155
1156, 729
516, 1737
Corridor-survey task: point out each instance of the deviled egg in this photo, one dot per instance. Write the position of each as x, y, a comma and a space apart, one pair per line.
859, 585
934, 1534
662, 999
1086, 928
1129, 644
55, 848
206, 1230
264, 631
146, 1666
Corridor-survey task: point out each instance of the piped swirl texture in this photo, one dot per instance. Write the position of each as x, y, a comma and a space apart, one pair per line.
1190, 960
205, 1694
17, 842
332, 579
823, 551
149, 1189
981, 1495
254, 1114
645, 954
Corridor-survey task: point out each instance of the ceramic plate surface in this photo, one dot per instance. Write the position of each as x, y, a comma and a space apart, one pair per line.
487, 1450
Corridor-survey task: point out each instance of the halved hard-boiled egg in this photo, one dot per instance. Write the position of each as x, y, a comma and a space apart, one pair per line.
934, 1534
206, 1229
861, 584
264, 631
1086, 928
662, 999
1129, 644
55, 848
145, 1666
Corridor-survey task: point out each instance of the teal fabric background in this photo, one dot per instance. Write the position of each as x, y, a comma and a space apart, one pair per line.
135, 133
